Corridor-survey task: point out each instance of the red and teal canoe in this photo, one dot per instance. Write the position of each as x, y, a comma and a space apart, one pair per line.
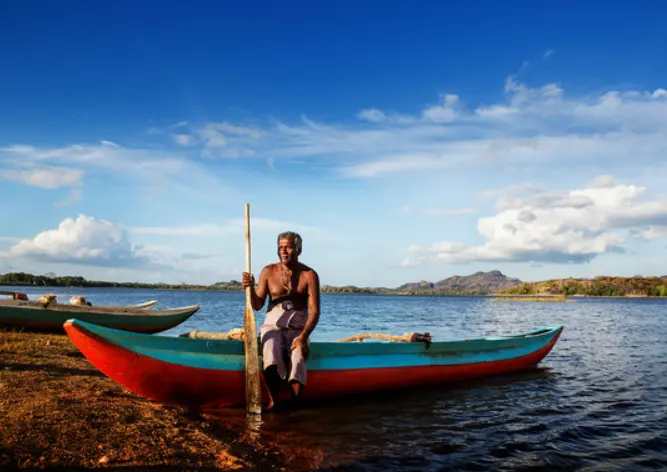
29, 316
210, 373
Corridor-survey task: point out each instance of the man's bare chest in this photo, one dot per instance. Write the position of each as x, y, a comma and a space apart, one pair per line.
283, 284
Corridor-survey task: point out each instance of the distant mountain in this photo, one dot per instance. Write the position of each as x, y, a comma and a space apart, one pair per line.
479, 282
416, 286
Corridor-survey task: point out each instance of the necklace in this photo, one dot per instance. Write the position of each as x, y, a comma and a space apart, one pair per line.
287, 282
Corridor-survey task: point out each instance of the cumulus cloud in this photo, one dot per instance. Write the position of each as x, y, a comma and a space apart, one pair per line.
84, 240
572, 226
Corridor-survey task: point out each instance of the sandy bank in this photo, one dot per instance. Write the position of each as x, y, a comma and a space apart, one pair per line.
58, 412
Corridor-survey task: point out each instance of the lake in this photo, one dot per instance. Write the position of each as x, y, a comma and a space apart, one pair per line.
598, 401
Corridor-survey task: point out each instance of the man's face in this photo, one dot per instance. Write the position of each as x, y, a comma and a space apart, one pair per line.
287, 250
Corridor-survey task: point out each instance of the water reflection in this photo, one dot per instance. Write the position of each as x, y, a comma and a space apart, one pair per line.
433, 420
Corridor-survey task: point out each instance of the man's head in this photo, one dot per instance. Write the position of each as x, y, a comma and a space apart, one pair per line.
289, 246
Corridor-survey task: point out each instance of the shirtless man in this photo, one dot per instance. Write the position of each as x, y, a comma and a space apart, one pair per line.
292, 314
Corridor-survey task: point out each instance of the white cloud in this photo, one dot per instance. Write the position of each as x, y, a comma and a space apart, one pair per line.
373, 115
653, 232
183, 139
218, 139
532, 126
47, 177
443, 113
64, 166
556, 226
73, 196
84, 240
535, 126
605, 180
232, 226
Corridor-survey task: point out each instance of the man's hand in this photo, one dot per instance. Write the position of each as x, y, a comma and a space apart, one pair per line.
248, 280
301, 342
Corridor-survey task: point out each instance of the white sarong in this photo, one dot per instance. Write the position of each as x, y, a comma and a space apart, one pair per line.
281, 326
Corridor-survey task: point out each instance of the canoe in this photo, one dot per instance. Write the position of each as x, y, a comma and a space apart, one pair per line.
145, 306
138, 307
210, 373
30, 316
18, 297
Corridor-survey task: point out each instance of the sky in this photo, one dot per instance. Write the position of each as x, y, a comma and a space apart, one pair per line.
404, 141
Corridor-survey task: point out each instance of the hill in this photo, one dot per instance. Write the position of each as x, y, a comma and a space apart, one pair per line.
478, 283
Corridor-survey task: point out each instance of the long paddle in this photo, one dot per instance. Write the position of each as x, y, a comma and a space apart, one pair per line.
253, 397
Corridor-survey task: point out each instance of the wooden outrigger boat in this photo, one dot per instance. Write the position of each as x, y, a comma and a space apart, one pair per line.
149, 305
209, 373
31, 316
20, 296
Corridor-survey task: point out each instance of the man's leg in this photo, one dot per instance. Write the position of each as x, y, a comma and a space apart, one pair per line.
297, 377
275, 369
273, 382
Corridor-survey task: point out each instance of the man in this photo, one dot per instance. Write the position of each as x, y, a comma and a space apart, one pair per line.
292, 314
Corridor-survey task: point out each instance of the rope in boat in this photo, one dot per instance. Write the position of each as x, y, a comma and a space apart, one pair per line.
405, 338
238, 333
234, 333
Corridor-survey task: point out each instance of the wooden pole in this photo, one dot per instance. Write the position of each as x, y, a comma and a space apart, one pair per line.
252, 379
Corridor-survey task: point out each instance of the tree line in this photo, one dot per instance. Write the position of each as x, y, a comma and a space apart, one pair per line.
25, 279
601, 286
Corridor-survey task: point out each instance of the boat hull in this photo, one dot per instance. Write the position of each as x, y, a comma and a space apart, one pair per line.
28, 317
208, 374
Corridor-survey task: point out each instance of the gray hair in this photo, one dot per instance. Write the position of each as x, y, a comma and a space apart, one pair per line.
296, 237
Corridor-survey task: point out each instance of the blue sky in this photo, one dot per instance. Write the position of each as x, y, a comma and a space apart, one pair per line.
403, 140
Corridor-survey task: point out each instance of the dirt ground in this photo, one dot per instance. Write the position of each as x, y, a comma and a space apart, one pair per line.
57, 412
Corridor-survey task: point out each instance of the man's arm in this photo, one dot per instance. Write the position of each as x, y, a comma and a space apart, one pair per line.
313, 304
257, 295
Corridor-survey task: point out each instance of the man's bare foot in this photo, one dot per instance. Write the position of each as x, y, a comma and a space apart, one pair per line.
269, 407
295, 389
276, 407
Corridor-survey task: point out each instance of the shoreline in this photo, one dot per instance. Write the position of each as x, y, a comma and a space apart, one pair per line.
58, 411
46, 288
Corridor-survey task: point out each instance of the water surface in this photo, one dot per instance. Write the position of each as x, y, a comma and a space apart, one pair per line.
598, 402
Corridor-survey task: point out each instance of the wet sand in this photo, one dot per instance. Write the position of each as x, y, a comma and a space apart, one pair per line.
58, 412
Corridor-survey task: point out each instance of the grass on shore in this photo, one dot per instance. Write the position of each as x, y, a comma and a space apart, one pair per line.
527, 298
